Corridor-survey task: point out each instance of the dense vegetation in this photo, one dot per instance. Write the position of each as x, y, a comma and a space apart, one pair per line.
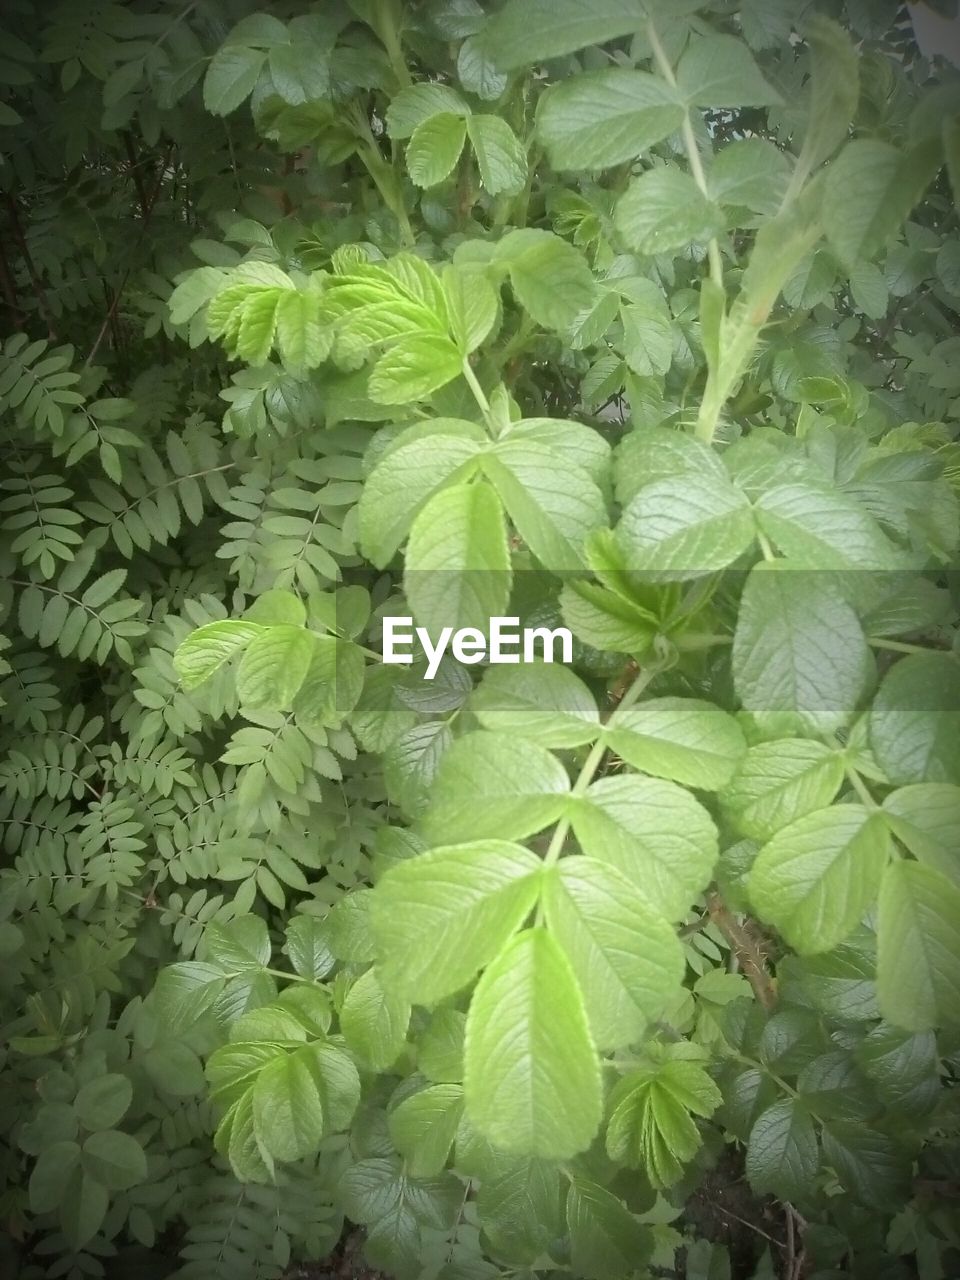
636, 316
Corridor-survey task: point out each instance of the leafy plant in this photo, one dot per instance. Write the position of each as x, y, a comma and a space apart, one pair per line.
634, 318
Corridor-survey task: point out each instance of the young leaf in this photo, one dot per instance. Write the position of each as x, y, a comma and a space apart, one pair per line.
468, 900
501, 159
684, 739
435, 147
532, 1076
206, 650
274, 666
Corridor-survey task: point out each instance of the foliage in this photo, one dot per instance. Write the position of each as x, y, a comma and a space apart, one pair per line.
633, 316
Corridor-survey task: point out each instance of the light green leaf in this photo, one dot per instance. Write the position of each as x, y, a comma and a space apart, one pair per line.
374, 1022
532, 1076
472, 306
720, 71
684, 739
601, 118
308, 948
423, 1127
782, 1156
820, 528
553, 508
333, 683
651, 1118
664, 210
816, 877
654, 832
468, 900
544, 702
648, 339
684, 526
527, 31
550, 278
287, 1110
501, 158
918, 947
414, 368
491, 785
440, 1048
915, 720
870, 190
457, 566
231, 77
241, 944
780, 781
799, 648
834, 91
627, 959
274, 666
206, 650
403, 482
926, 818
435, 147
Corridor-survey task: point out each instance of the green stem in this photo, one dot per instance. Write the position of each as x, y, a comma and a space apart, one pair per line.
475, 387
900, 646
860, 787
689, 143
765, 547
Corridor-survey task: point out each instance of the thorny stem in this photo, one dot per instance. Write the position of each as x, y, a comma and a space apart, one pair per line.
745, 948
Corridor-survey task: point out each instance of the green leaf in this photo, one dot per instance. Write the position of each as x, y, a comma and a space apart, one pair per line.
435, 147
307, 947
782, 1155
83, 1208
820, 528
103, 1103
926, 818
414, 368
333, 683
664, 210
274, 666
541, 701
419, 102
501, 158
799, 648
287, 1108
778, 782
440, 1049
606, 1240
834, 92
532, 1076
627, 959
654, 832
815, 879
472, 306
915, 718
239, 945
231, 77
519, 1206
403, 482
601, 118
50, 1175
683, 739
870, 190
114, 1159
868, 1164
553, 509
918, 947
236, 1140
490, 785
374, 1022
423, 1127
550, 278
206, 650
468, 899
684, 526
457, 567
651, 1118
527, 31
720, 71
751, 173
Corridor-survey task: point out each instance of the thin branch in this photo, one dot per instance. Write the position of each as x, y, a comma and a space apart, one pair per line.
22, 245
747, 950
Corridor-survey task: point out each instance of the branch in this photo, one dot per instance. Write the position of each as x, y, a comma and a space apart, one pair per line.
746, 948
21, 240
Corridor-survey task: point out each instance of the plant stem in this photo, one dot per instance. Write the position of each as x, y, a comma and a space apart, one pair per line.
475, 387
689, 143
900, 646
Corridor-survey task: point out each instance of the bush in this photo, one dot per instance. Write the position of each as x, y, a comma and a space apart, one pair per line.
634, 319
